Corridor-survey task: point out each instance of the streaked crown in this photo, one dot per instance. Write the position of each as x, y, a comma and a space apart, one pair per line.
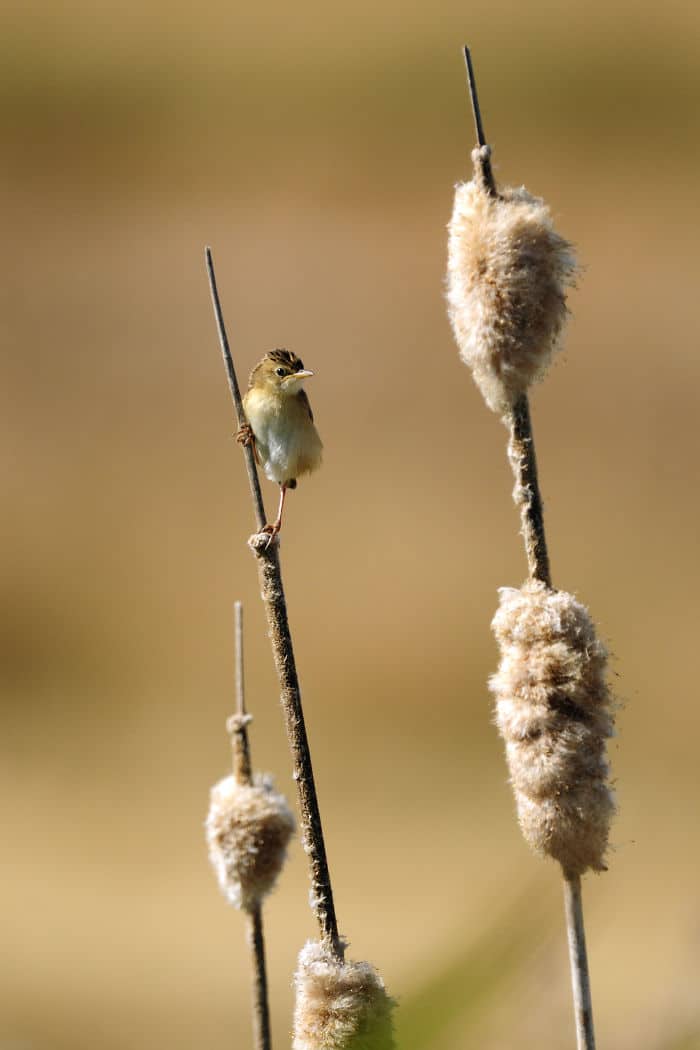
274, 368
285, 358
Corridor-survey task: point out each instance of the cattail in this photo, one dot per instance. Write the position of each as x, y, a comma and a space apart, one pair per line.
508, 271
339, 1005
554, 711
248, 828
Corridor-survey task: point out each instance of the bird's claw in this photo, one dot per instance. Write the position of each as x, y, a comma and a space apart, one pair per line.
273, 531
245, 435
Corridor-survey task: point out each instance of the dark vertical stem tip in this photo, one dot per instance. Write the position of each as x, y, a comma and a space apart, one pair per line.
235, 393
482, 160
238, 723
238, 624
480, 137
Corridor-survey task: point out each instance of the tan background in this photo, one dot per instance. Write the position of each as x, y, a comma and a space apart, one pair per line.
315, 148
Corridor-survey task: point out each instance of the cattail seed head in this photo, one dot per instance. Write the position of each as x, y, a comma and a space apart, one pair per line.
248, 828
339, 1005
507, 275
554, 711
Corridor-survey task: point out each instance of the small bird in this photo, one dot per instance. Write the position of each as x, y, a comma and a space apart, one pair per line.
280, 423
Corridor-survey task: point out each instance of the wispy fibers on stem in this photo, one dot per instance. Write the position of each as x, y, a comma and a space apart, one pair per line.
508, 275
339, 1005
248, 828
554, 712
328, 1014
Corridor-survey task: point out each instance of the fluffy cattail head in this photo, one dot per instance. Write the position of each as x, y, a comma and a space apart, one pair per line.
248, 828
339, 1005
508, 271
554, 711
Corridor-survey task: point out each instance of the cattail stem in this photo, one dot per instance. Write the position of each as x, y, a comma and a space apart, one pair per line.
521, 453
521, 448
238, 725
261, 1010
242, 770
580, 980
484, 149
258, 504
272, 592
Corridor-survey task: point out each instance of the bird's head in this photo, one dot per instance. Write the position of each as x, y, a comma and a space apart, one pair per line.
281, 372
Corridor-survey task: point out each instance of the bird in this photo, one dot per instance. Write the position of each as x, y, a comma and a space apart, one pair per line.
280, 424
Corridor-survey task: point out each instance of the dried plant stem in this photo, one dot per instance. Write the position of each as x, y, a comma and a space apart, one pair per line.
258, 504
521, 453
261, 1012
314, 846
272, 592
238, 725
485, 150
242, 770
580, 981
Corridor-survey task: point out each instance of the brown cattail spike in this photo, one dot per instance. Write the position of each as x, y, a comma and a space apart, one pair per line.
248, 829
339, 1005
554, 711
508, 272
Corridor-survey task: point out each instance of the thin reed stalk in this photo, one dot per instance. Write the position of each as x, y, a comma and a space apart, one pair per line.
580, 980
248, 828
272, 592
243, 772
249, 454
262, 1039
521, 453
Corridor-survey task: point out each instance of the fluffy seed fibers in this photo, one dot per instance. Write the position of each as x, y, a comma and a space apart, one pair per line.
507, 276
248, 828
554, 711
339, 1006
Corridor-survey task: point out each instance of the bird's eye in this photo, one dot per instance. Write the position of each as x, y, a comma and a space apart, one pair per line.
280, 371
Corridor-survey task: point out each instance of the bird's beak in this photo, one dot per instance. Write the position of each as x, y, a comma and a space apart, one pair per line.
296, 379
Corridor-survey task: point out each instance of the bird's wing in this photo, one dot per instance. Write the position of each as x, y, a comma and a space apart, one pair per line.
304, 398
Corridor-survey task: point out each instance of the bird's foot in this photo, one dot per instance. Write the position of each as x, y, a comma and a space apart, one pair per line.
245, 435
273, 531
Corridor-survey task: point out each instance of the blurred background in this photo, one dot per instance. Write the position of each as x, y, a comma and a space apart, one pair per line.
316, 148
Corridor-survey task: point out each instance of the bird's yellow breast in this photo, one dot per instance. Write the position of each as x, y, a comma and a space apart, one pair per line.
287, 441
